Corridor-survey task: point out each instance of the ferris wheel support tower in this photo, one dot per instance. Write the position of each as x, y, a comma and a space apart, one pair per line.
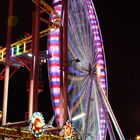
34, 74
7, 67
65, 57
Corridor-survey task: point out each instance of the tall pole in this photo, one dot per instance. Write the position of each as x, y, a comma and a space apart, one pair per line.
61, 77
31, 89
36, 55
34, 75
65, 62
7, 67
110, 111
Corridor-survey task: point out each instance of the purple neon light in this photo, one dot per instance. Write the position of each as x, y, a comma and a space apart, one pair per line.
98, 44
54, 62
101, 74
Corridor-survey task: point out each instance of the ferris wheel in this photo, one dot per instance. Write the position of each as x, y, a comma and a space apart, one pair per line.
77, 69
86, 68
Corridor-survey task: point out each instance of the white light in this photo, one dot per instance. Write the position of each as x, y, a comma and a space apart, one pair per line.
78, 116
57, 101
57, 111
29, 54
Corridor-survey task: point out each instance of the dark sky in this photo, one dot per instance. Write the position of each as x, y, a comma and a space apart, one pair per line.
120, 30
119, 22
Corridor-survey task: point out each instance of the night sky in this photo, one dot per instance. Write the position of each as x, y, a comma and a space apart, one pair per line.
120, 27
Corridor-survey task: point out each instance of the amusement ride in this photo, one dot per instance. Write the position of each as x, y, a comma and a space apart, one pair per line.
76, 69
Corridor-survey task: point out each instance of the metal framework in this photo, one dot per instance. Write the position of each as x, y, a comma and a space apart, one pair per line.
24, 52
73, 36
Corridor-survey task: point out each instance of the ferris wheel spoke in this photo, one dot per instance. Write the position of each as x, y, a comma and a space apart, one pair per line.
85, 44
77, 92
85, 99
80, 28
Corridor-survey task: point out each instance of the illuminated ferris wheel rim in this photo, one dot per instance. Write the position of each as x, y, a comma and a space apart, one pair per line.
103, 53
54, 62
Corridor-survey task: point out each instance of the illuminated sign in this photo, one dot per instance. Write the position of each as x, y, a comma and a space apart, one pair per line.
37, 124
16, 134
12, 132
15, 50
68, 130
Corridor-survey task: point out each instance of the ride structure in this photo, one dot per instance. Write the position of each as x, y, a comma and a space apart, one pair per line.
76, 65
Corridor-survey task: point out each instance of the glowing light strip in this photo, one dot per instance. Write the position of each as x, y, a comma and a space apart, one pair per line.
24, 49
98, 45
54, 65
14, 51
2, 55
100, 59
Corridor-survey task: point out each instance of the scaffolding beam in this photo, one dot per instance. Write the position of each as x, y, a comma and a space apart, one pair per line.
7, 67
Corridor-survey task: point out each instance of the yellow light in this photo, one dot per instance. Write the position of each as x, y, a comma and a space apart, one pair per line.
138, 137
98, 70
17, 49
